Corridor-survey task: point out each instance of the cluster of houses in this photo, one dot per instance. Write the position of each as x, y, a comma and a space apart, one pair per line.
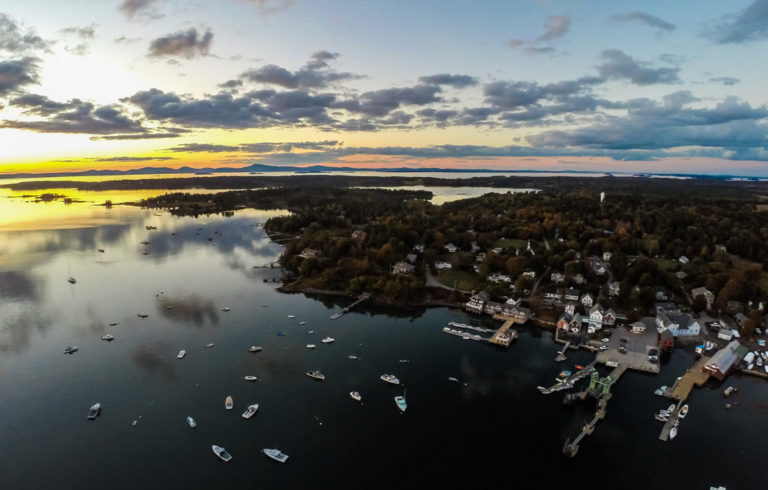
481, 303
596, 318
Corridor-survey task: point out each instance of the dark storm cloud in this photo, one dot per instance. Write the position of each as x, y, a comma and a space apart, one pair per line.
456, 81
13, 40
15, 74
751, 24
620, 66
647, 19
187, 44
74, 116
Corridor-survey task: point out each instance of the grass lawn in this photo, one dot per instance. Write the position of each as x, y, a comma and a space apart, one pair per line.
462, 280
667, 265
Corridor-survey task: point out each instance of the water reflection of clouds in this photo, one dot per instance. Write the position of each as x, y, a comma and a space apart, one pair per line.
19, 326
191, 309
156, 358
18, 285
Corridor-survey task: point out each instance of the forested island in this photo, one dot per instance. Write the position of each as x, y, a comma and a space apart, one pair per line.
628, 241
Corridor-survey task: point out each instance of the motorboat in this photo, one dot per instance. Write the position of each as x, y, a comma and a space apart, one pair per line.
390, 378
451, 378
661, 417
94, 411
275, 454
254, 348
356, 396
280, 334
328, 340
661, 390
310, 332
311, 346
181, 354
671, 408
221, 453
673, 433
291, 316
401, 404
250, 378
315, 374
228, 403
250, 411
72, 280
353, 357
302, 323
70, 349
578, 367
208, 346
107, 337
141, 315
226, 308
683, 411
191, 422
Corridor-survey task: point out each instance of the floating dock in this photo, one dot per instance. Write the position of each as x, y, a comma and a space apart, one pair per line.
694, 376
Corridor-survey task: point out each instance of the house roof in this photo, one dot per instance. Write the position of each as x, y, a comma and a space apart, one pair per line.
726, 357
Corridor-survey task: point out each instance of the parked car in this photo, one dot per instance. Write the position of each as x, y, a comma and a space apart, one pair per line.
653, 355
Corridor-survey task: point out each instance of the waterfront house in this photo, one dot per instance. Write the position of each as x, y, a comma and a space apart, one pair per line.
564, 322
477, 302
572, 294
492, 308
576, 322
403, 268
516, 312
587, 300
708, 295
724, 360
609, 317
614, 288
596, 314
570, 308
678, 324
451, 248
666, 341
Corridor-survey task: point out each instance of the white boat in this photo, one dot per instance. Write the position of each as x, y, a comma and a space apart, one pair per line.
226, 308
660, 391
275, 454
254, 348
302, 323
401, 404
191, 422
335, 316
310, 332
315, 374
328, 340
451, 378
107, 337
673, 433
291, 316
181, 354
671, 408
70, 349
250, 378
250, 411
353, 357
311, 346
94, 411
228, 403
661, 417
683, 411
390, 378
208, 346
141, 315
356, 396
221, 453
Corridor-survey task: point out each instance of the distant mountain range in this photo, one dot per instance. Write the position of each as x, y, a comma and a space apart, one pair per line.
259, 168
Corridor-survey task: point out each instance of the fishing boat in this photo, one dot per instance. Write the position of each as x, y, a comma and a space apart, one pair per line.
311, 346
356, 396
228, 403
328, 340
221, 453
315, 374
390, 378
191, 422
250, 411
94, 411
684, 411
661, 417
70, 349
254, 348
181, 354
451, 378
673, 433
401, 404
208, 346
275, 454
250, 378
107, 337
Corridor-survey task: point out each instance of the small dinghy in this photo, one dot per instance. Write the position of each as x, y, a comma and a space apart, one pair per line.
191, 422
254, 348
70, 349
356, 396
328, 340
452, 379
221, 453
107, 337
401, 404
353, 357
208, 346
181, 354
250, 411
228, 403
275, 454
94, 411
315, 374
311, 346
250, 378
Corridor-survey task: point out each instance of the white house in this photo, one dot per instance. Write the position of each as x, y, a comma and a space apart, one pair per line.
607, 256
683, 259
587, 300
450, 248
614, 288
442, 265
596, 314
403, 268
477, 302
570, 308
557, 277
497, 277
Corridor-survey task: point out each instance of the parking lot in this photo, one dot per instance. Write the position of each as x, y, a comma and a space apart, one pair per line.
638, 346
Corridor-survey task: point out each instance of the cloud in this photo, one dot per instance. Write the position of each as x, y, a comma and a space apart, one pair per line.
456, 81
130, 159
315, 74
725, 80
13, 40
620, 66
289, 146
203, 148
142, 136
231, 84
751, 24
650, 20
382, 102
267, 7
557, 26
144, 9
83, 34
74, 116
18, 73
187, 44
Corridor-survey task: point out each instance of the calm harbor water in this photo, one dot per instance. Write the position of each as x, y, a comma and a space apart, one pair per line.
492, 429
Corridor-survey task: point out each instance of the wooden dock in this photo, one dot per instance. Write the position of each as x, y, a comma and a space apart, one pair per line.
694, 376
506, 334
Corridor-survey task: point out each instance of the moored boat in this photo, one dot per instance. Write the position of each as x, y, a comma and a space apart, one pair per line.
70, 349
671, 408
291, 316
250, 411
661, 390
191, 422
311, 346
254, 348
353, 357
683, 411
390, 378
250, 378
221, 453
673, 433
107, 337
451, 378
208, 346
302, 323
94, 411
328, 340
181, 354
661, 417
275, 454
315, 374
401, 404
356, 396
228, 403
226, 308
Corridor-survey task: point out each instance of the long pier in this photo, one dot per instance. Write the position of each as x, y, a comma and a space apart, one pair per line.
347, 309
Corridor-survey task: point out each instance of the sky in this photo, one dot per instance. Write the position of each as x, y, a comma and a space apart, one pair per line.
600, 85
